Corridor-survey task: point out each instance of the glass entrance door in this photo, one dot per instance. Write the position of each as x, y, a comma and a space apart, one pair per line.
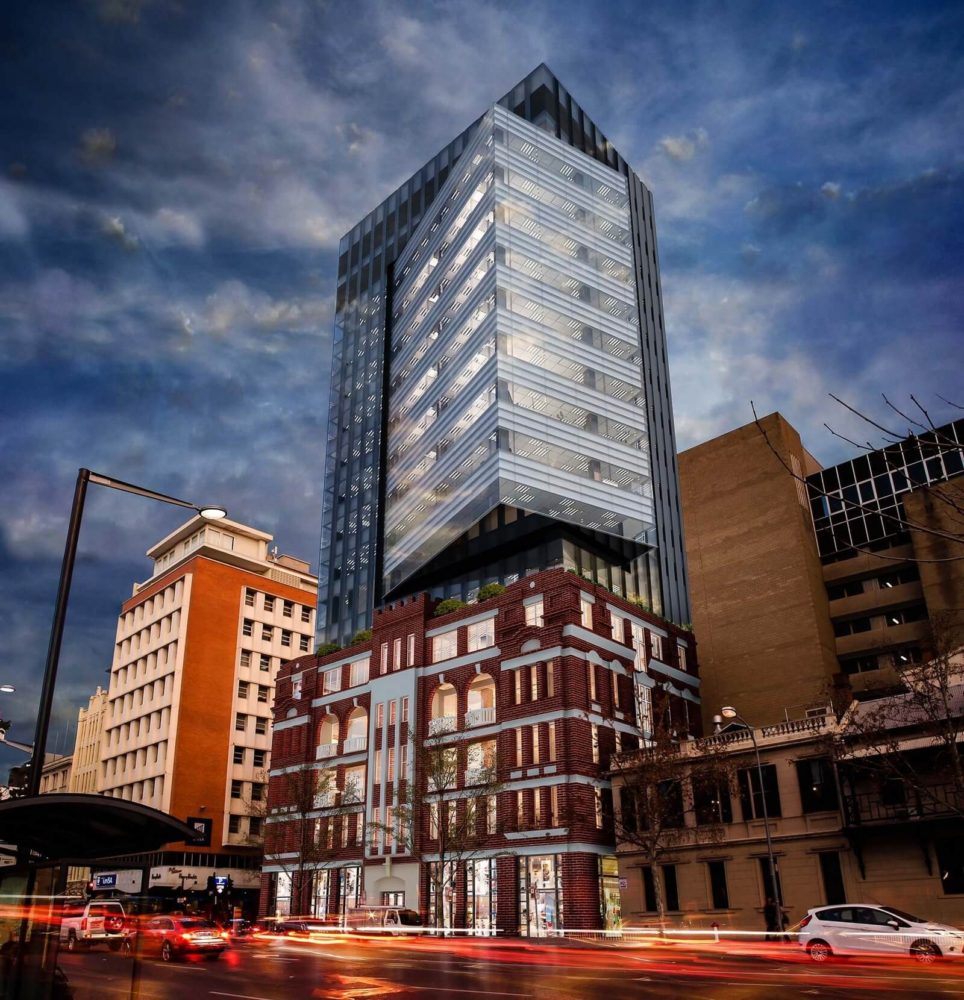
541, 892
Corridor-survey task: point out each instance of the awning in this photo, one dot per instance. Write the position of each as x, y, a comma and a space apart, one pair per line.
87, 827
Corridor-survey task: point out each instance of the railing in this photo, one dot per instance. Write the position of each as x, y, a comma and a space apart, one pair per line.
796, 726
326, 750
925, 802
443, 724
724, 739
355, 744
479, 717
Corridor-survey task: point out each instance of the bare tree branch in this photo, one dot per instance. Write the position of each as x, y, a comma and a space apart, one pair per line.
901, 522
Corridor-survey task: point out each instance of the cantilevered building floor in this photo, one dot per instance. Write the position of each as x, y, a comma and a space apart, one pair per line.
500, 398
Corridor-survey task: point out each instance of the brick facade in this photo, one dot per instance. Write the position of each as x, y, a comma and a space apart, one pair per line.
554, 655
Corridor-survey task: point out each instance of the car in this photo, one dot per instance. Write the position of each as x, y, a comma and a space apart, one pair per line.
301, 926
174, 935
84, 924
395, 919
872, 929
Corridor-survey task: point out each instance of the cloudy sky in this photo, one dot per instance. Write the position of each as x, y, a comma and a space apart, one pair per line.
174, 178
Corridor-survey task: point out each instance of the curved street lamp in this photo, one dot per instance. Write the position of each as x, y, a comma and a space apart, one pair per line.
729, 712
210, 512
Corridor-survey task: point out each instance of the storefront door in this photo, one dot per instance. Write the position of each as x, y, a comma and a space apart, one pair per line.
541, 895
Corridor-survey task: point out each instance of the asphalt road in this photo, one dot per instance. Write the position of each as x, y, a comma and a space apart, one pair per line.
347, 967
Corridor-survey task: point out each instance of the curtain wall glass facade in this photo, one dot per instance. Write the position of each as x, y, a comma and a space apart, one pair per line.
524, 369
515, 351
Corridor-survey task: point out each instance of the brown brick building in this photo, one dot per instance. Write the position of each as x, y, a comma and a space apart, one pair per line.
531, 690
809, 584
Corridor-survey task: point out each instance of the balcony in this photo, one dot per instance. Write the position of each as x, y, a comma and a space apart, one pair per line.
355, 744
479, 717
905, 804
326, 750
443, 724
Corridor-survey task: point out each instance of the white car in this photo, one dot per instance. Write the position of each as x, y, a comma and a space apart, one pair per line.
865, 928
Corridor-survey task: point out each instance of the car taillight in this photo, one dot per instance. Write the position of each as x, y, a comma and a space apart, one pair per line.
806, 920
83, 923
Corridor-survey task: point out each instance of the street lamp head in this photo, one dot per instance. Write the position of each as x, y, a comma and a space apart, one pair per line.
212, 512
7, 689
728, 712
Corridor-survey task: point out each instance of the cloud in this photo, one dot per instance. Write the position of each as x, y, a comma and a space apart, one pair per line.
121, 11
684, 147
97, 146
171, 225
13, 222
113, 227
830, 189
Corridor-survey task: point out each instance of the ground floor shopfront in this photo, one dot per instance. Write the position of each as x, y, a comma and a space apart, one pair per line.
533, 895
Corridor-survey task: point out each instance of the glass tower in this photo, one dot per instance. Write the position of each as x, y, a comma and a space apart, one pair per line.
500, 397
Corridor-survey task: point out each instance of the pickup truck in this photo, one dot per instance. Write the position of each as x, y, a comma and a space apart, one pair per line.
100, 921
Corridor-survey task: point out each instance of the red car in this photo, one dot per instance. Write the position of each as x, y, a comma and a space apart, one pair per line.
173, 936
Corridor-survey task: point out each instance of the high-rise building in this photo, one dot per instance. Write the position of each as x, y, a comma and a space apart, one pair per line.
813, 584
500, 399
187, 727
90, 729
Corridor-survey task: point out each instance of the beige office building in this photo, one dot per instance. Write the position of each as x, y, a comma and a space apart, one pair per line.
90, 729
187, 728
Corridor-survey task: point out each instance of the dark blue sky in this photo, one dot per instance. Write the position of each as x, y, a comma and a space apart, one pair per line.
174, 178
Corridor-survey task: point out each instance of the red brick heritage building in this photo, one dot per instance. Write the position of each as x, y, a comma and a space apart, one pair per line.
527, 694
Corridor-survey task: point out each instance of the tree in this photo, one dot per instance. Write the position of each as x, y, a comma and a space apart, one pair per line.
440, 815
298, 837
909, 743
668, 793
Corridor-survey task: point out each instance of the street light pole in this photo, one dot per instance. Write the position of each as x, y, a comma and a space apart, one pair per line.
84, 476
729, 712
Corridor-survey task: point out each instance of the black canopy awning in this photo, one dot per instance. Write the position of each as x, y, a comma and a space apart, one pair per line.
86, 827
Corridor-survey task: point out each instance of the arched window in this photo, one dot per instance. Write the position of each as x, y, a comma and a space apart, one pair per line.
444, 710
481, 702
356, 735
327, 737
